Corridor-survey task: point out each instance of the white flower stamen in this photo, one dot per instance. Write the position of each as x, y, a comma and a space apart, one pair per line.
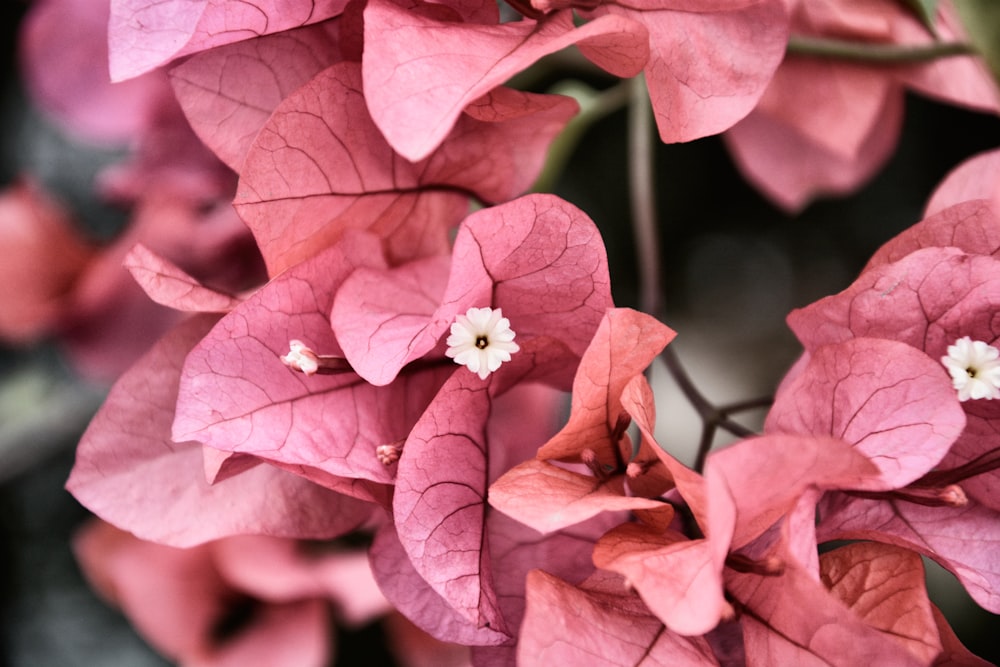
974, 367
481, 340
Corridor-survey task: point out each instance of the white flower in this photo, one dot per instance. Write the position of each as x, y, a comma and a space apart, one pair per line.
482, 340
301, 358
975, 369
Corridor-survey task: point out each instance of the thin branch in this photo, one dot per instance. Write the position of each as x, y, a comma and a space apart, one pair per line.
749, 404
704, 445
641, 142
875, 53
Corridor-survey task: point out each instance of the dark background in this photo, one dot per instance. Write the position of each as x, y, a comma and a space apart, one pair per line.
734, 266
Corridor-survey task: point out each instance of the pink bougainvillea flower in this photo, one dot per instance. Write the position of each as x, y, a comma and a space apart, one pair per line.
549, 497
868, 605
538, 258
542, 262
236, 395
503, 552
238, 601
229, 92
705, 65
938, 487
143, 35
45, 256
838, 121
569, 625
792, 605
973, 179
679, 578
863, 603
129, 472
929, 299
320, 166
64, 56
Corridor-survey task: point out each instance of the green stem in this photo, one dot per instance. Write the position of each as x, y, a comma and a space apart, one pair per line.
866, 52
593, 107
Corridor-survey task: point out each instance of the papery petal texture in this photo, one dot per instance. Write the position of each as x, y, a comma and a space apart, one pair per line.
793, 619
439, 505
229, 92
547, 498
892, 403
708, 63
599, 620
962, 539
168, 285
624, 345
928, 300
680, 580
237, 396
144, 34
538, 258
320, 166
885, 586
129, 471
406, 48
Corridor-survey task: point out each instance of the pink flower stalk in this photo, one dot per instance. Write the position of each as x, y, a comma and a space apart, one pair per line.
826, 125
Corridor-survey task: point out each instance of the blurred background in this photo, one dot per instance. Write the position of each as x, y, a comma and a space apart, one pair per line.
734, 267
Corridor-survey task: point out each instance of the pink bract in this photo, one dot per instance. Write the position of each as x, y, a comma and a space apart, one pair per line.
320, 166
973, 179
538, 258
64, 55
841, 119
566, 624
229, 92
44, 257
705, 65
238, 601
129, 472
144, 35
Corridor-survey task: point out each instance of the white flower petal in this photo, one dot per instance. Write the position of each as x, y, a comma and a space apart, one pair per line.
481, 340
974, 367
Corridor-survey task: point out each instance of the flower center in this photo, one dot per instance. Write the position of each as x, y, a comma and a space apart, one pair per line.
482, 342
